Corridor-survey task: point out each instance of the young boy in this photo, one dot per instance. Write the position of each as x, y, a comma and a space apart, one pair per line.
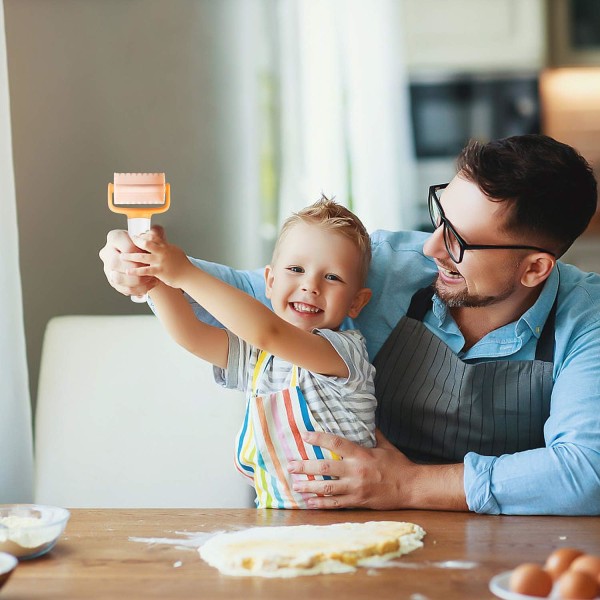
299, 371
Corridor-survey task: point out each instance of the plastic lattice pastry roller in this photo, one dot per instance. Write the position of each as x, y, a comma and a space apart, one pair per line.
139, 196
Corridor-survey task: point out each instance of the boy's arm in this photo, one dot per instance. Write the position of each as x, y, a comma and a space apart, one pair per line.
243, 315
252, 321
118, 244
176, 314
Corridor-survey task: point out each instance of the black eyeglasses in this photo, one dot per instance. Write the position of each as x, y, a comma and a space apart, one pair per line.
455, 245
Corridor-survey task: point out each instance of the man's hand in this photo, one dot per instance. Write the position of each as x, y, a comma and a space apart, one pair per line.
115, 267
380, 478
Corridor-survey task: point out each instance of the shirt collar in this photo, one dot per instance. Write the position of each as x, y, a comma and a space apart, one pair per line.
533, 319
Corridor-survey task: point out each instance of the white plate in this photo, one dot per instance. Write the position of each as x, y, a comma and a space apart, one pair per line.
8, 563
499, 587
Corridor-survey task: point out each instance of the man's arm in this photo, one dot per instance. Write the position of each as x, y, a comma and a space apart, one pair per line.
563, 477
380, 478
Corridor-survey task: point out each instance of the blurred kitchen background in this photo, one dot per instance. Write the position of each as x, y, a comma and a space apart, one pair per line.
252, 108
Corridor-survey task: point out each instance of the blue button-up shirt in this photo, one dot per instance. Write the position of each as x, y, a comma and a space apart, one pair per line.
564, 476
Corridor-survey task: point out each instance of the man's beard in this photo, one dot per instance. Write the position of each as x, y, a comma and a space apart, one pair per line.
463, 299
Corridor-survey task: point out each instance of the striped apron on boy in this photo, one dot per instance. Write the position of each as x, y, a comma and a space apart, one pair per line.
270, 438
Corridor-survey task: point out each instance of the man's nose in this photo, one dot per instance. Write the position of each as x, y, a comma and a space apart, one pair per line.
434, 245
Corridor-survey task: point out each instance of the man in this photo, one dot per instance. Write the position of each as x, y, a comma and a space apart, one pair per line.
487, 349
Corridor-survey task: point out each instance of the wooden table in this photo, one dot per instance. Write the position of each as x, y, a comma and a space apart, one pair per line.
96, 558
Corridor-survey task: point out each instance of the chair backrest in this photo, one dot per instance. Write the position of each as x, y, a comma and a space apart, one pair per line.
126, 418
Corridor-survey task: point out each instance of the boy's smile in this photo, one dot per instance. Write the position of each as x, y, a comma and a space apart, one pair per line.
305, 308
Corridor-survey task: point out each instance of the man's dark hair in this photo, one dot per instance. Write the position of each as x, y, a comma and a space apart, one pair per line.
550, 189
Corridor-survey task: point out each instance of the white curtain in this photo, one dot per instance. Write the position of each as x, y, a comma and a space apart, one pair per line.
343, 110
16, 450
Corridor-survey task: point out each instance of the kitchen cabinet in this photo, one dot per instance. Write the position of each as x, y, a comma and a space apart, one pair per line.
574, 28
474, 35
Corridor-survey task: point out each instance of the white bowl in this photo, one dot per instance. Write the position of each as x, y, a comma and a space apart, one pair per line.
30, 530
8, 564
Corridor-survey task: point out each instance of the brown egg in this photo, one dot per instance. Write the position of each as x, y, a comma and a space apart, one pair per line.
530, 579
560, 560
577, 586
588, 563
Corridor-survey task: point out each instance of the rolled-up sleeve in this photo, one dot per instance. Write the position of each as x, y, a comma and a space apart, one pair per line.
564, 477
561, 480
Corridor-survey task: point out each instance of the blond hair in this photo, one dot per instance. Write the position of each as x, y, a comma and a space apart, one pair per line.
332, 216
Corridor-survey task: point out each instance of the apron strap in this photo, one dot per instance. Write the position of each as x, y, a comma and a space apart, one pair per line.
259, 368
544, 350
420, 303
262, 361
545, 347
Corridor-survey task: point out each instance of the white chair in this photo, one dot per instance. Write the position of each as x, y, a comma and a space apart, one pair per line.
126, 418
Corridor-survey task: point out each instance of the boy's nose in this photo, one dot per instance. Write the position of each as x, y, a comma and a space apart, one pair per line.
310, 286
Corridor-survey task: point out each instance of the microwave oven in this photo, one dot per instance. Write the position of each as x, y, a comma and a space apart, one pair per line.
449, 110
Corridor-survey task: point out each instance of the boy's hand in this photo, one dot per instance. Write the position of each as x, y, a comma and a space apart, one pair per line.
159, 259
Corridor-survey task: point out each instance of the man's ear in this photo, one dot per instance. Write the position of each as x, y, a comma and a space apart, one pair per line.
538, 267
360, 301
269, 278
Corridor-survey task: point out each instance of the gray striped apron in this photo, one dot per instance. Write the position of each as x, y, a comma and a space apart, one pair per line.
435, 407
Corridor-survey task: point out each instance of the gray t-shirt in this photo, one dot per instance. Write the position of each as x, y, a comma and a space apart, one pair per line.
343, 406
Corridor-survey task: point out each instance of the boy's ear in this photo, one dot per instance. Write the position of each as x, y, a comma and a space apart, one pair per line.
269, 277
360, 301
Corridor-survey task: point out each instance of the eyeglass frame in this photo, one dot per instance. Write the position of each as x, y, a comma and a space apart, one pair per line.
462, 244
